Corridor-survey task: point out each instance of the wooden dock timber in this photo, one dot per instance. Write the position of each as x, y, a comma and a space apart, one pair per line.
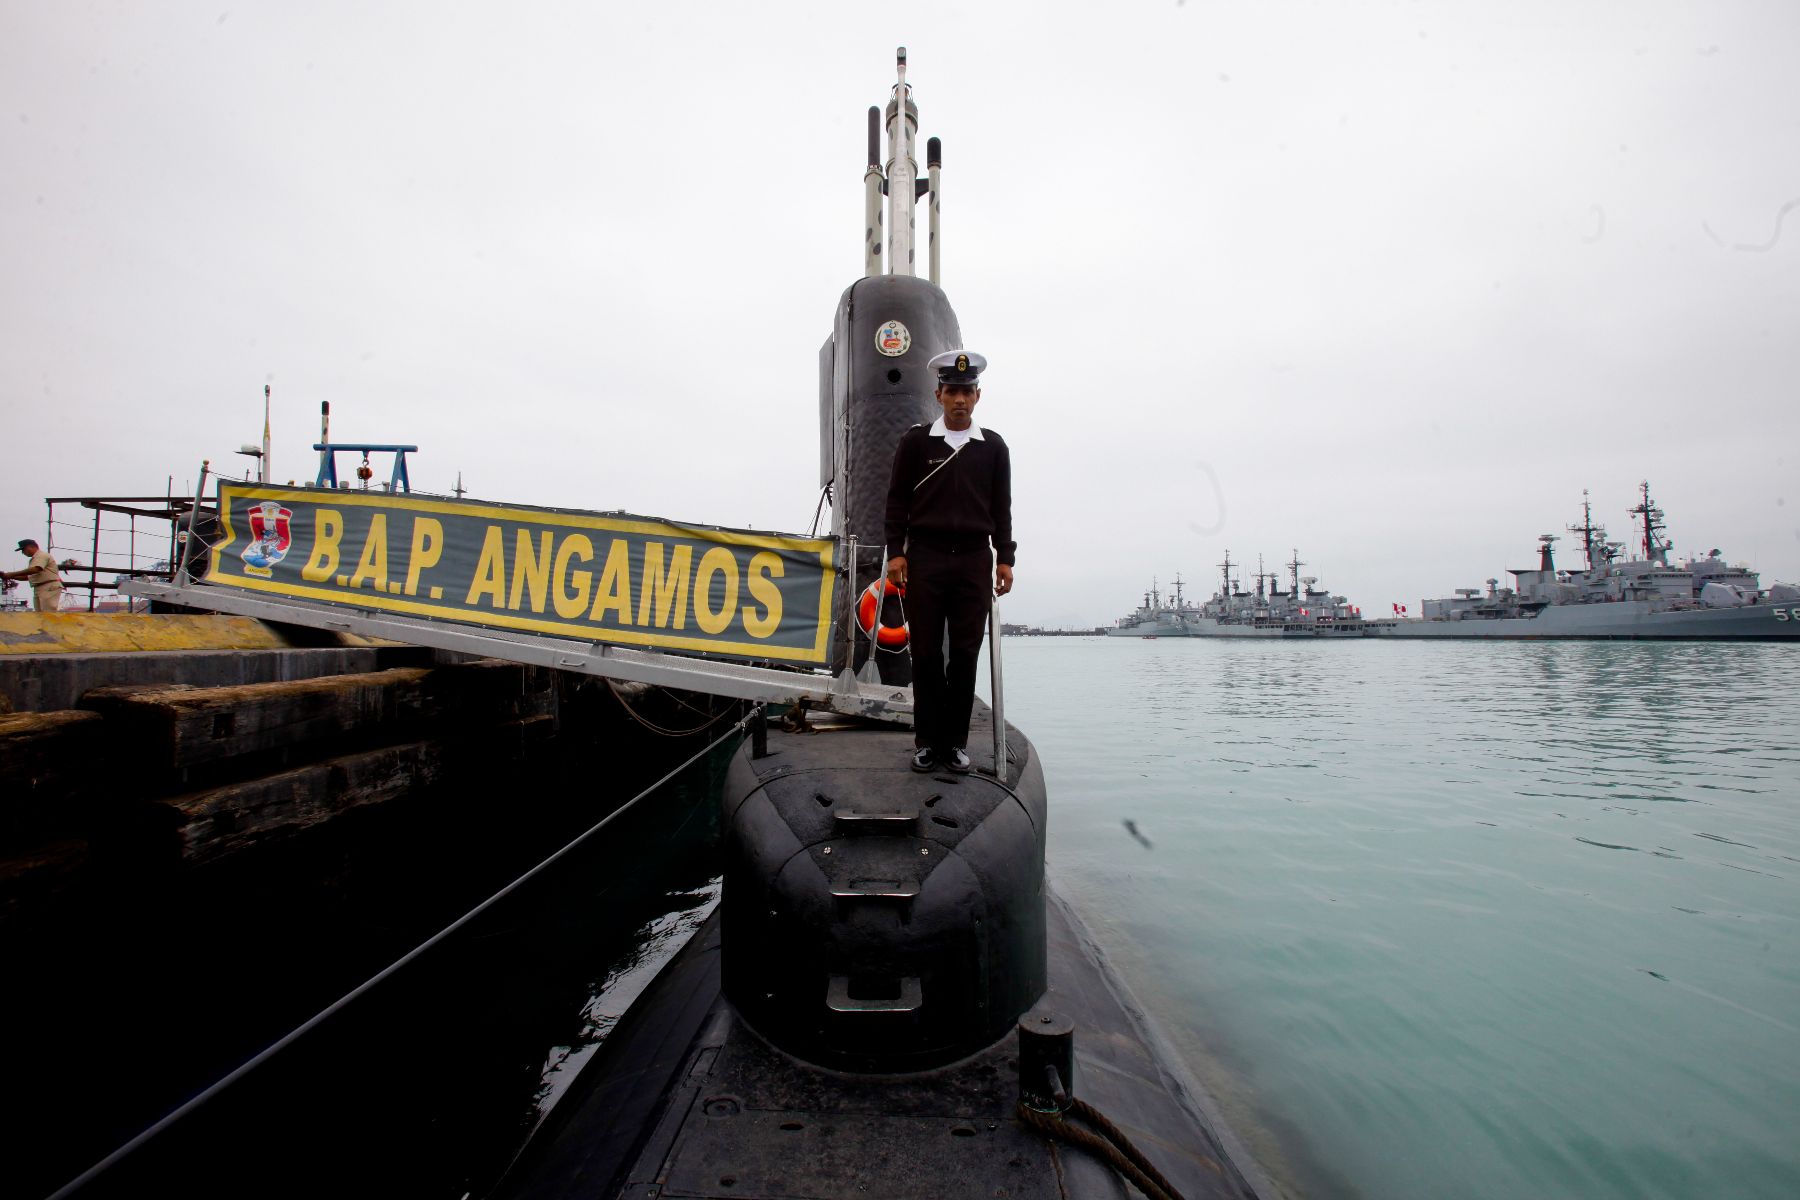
168, 759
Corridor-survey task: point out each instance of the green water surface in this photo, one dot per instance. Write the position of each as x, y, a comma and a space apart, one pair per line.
1450, 920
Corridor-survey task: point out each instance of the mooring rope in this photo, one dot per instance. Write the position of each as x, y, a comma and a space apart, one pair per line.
653, 727
129, 1148
1110, 1144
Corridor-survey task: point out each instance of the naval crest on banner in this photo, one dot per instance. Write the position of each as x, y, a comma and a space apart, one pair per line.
893, 339
270, 538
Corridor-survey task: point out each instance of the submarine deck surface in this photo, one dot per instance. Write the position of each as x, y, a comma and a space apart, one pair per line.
686, 1100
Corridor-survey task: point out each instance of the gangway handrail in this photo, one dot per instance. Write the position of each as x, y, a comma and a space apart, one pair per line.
999, 701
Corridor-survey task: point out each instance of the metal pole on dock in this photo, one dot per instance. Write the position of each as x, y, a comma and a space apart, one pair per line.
94, 564
187, 544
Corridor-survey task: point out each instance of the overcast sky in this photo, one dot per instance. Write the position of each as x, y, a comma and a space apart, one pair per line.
1389, 283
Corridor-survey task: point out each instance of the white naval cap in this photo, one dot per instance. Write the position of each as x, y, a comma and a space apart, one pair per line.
958, 366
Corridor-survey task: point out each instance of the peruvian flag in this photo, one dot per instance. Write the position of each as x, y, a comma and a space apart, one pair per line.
1304, 613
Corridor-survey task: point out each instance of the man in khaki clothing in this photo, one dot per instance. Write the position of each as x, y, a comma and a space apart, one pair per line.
41, 573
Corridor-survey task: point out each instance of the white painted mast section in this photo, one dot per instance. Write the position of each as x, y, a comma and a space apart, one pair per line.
902, 172
264, 476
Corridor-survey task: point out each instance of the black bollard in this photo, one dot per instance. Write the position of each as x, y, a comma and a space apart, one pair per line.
759, 732
1046, 1061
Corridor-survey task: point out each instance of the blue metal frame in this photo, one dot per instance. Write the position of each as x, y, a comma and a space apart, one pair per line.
400, 482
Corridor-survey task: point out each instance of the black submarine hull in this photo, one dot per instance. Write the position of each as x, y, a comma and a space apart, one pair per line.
695, 1095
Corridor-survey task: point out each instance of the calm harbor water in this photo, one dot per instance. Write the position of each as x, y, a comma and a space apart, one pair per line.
1483, 921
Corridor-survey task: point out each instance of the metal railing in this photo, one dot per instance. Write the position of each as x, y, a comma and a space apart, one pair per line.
114, 549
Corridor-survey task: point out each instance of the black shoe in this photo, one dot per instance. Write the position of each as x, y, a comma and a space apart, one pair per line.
957, 760
924, 760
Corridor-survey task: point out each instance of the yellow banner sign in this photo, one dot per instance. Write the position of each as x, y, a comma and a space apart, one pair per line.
634, 581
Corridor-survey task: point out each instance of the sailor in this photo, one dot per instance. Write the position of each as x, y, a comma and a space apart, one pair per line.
40, 570
949, 535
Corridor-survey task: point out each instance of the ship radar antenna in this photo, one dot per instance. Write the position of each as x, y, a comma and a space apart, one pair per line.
1294, 565
1225, 566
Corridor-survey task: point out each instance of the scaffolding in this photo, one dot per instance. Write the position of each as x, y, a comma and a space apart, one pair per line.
113, 546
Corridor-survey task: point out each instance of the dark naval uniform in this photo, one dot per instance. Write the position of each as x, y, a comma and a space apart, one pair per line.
949, 511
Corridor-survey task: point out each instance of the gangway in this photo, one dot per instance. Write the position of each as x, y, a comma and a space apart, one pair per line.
842, 693
527, 585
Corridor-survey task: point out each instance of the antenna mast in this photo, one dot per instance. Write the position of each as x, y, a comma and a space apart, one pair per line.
1656, 547
902, 171
1592, 535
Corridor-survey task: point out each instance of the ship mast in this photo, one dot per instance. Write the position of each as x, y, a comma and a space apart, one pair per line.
1656, 547
1591, 534
1293, 566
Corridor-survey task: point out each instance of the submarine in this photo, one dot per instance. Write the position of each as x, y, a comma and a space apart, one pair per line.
890, 1000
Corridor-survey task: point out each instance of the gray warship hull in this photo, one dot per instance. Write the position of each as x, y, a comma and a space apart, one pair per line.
1213, 627
1304, 628
1620, 620
1154, 628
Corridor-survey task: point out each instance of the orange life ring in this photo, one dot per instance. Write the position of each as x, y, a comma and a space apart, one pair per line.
867, 608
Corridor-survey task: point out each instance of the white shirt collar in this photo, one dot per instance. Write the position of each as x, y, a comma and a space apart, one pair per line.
939, 429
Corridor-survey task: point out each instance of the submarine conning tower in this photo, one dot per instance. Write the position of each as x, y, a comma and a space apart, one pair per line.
873, 382
874, 919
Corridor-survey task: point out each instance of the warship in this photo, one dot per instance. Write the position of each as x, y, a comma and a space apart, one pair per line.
1614, 597
1267, 610
1157, 617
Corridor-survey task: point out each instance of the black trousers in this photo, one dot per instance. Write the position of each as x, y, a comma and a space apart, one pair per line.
947, 591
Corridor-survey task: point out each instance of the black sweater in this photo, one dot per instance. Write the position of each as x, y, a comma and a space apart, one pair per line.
966, 500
